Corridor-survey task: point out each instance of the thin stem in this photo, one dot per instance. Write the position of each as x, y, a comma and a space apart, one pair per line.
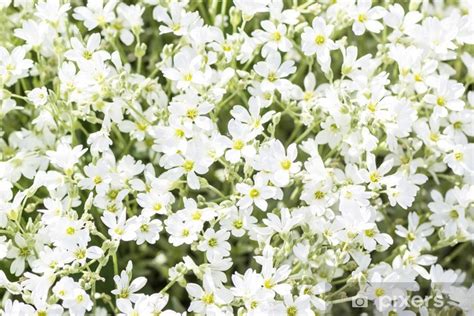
343, 300
114, 259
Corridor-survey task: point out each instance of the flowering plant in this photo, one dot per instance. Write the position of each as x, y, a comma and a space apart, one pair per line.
254, 157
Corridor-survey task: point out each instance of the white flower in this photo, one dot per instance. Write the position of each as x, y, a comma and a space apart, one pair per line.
274, 71
78, 302
461, 159
447, 212
191, 110
445, 95
239, 221
131, 15
401, 23
317, 40
38, 96
241, 143
52, 10
252, 116
255, 194
181, 229
148, 133
22, 250
373, 175
177, 21
65, 156
283, 224
273, 279
273, 37
189, 164
416, 234
207, 299
84, 54
13, 66
146, 229
215, 244
365, 17
299, 306
126, 290
96, 13
119, 228
441, 278
186, 69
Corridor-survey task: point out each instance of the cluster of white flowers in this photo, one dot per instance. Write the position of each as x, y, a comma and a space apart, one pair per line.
250, 157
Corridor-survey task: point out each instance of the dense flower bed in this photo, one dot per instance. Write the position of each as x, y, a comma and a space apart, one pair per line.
254, 157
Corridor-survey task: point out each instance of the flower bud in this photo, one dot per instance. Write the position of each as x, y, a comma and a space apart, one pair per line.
235, 16
140, 50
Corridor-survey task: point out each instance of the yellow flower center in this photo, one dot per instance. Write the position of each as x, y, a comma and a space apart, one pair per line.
440, 101
113, 194
434, 137
188, 165
70, 231
24, 252
79, 298
192, 113
319, 39
291, 311
375, 177
141, 127
379, 292
208, 298
238, 224
277, 36
197, 215
238, 144
457, 125
454, 214
369, 232
179, 132
372, 107
318, 195
87, 55
176, 27
80, 254
286, 164
268, 284
97, 179
212, 242
144, 228
458, 156
308, 95
254, 193
272, 77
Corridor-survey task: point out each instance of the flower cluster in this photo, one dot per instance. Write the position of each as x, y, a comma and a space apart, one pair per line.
250, 157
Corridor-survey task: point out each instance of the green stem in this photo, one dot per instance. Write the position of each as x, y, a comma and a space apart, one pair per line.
342, 300
455, 253
114, 259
